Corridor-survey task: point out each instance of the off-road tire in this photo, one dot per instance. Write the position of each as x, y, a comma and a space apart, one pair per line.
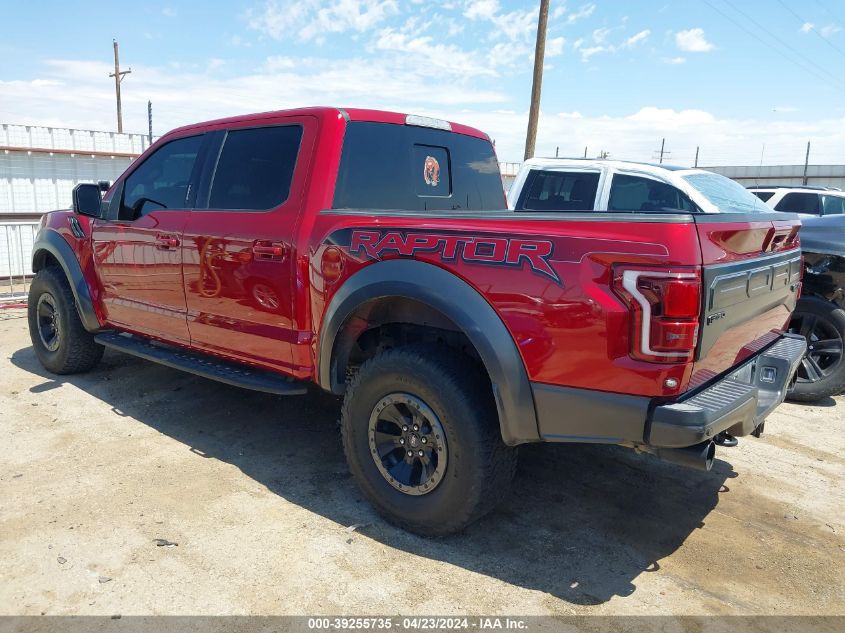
480, 466
832, 319
76, 350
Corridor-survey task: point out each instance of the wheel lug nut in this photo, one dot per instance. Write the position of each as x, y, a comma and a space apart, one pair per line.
410, 453
401, 440
420, 453
416, 428
424, 440
405, 428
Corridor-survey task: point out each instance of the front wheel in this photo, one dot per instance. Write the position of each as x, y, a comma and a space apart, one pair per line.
61, 342
422, 439
822, 370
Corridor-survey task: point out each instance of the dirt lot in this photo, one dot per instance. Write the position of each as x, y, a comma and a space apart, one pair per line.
254, 490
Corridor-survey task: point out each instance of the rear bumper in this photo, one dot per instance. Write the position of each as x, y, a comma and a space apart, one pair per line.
737, 403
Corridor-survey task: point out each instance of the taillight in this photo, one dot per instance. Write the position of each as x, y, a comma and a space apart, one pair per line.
665, 305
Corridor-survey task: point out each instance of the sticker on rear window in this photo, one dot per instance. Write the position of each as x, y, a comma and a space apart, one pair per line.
431, 171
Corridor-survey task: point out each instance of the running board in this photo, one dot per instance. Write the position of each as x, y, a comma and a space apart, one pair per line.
202, 365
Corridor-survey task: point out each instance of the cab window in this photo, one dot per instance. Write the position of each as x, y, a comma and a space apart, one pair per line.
255, 168
162, 181
633, 193
559, 191
799, 203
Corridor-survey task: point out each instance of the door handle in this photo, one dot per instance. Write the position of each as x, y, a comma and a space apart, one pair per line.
166, 242
266, 250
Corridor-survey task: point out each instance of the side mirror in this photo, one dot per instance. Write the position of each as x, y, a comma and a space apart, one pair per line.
87, 199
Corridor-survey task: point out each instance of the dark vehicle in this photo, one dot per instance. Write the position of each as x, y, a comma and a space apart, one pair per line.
819, 315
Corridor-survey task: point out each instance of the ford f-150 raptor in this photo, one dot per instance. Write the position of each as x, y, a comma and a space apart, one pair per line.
373, 254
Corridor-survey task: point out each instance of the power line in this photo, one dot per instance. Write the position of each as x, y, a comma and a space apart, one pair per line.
804, 67
781, 41
827, 10
812, 28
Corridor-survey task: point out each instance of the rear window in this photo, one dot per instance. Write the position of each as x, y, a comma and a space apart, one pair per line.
403, 167
559, 191
726, 194
255, 168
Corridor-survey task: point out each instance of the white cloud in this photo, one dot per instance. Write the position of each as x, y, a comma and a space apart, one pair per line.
481, 9
311, 20
825, 31
432, 58
635, 136
674, 60
600, 37
642, 36
214, 63
71, 93
516, 26
692, 41
169, 12
554, 46
584, 12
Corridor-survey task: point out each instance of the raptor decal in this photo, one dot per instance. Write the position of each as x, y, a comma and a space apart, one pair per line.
494, 251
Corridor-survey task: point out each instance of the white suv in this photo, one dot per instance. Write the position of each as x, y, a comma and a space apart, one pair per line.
805, 200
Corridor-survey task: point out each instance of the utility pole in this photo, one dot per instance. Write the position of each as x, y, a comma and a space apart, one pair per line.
585, 151
806, 162
696, 156
118, 78
150, 121
662, 152
557, 151
536, 84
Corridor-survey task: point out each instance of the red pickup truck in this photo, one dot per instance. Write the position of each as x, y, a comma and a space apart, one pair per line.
372, 253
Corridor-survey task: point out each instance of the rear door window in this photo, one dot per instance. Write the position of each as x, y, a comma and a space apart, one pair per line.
799, 203
559, 191
633, 193
255, 168
409, 168
763, 195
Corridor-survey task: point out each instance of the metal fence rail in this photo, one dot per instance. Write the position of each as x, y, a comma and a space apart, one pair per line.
16, 240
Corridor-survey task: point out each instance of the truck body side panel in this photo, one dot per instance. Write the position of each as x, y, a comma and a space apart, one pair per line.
547, 277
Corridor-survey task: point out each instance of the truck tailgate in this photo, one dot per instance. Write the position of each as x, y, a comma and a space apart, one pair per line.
751, 277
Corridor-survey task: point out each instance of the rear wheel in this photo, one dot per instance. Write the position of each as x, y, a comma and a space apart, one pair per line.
822, 370
422, 439
59, 339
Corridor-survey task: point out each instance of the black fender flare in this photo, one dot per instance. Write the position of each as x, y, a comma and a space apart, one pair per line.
49, 241
465, 307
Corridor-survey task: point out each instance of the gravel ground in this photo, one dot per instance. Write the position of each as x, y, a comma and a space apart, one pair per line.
257, 513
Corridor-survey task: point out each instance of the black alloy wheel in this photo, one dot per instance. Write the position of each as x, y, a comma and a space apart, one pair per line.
408, 444
822, 370
49, 322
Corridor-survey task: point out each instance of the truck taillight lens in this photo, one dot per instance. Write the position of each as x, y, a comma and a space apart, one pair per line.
665, 306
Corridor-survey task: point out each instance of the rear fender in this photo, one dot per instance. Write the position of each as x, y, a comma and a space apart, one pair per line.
454, 299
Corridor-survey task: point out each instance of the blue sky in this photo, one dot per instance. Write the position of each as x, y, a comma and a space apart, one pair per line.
728, 75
